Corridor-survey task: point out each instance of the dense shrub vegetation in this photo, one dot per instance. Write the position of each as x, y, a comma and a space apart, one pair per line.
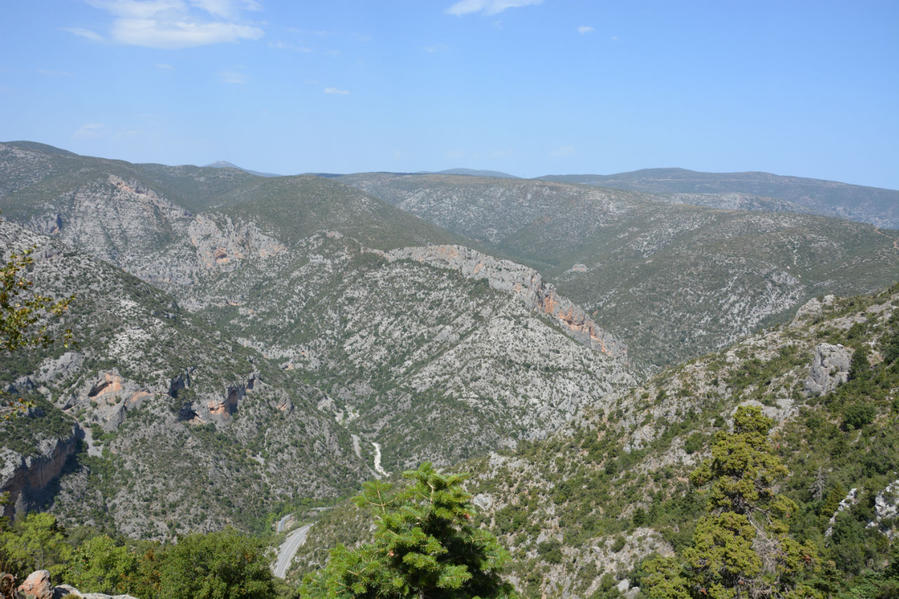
219, 565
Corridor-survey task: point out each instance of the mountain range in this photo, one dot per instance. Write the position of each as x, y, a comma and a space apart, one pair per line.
252, 345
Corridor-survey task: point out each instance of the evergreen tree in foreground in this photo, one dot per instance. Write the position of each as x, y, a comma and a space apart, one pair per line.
741, 547
425, 547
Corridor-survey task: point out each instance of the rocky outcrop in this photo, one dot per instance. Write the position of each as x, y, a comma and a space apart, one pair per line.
110, 396
222, 409
222, 245
847, 502
38, 586
525, 284
886, 510
26, 478
829, 369
62, 591
126, 222
208, 407
811, 310
180, 381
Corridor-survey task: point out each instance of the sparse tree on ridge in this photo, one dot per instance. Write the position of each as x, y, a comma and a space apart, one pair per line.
741, 548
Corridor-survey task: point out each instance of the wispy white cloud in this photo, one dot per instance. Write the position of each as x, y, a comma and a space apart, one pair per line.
233, 77
436, 48
89, 131
164, 67
85, 33
487, 7
585, 29
182, 34
173, 24
336, 91
226, 9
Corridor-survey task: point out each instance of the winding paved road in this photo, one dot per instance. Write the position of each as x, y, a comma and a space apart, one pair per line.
288, 549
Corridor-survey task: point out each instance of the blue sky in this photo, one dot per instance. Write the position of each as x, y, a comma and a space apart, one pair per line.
528, 87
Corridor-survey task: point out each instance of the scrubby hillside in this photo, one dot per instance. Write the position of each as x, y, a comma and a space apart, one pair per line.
598, 500
305, 328
873, 205
673, 281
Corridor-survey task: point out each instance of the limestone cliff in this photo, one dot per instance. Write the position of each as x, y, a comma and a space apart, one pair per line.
27, 478
525, 284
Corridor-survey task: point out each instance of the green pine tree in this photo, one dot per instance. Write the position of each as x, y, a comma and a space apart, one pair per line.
425, 546
741, 548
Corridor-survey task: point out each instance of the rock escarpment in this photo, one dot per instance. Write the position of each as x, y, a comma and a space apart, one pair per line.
129, 224
38, 586
829, 369
524, 283
26, 478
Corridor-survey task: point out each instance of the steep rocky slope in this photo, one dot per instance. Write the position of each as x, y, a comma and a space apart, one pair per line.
301, 319
279, 340
873, 205
183, 428
650, 272
409, 340
599, 498
673, 281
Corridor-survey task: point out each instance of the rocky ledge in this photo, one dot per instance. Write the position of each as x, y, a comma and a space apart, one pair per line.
38, 586
524, 283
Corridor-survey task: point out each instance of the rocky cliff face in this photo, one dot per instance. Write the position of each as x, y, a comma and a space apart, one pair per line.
26, 479
130, 225
829, 369
523, 283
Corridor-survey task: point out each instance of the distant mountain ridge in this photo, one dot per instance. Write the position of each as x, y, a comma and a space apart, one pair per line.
873, 205
471, 172
226, 164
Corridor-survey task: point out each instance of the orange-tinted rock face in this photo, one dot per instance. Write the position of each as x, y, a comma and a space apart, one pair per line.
216, 408
573, 318
111, 383
550, 305
37, 585
522, 282
138, 397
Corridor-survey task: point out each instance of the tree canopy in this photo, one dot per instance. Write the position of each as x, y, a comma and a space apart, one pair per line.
425, 546
742, 546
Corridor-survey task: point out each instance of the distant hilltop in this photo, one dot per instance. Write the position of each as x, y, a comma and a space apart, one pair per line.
226, 164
